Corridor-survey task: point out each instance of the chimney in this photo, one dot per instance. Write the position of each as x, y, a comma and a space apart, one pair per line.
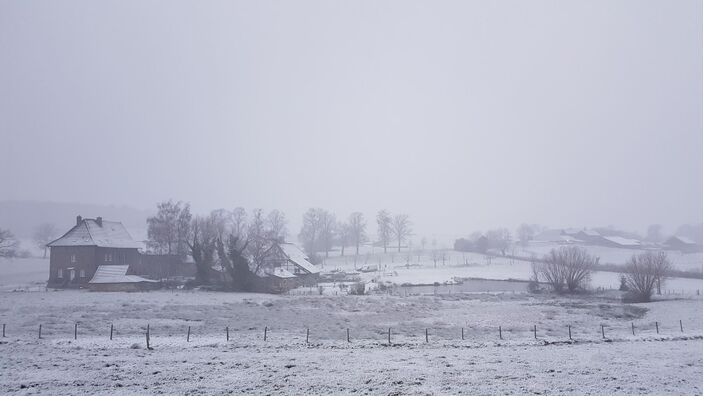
79, 219
99, 220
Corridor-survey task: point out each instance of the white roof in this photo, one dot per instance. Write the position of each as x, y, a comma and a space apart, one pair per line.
116, 274
298, 257
110, 234
279, 272
623, 241
590, 233
685, 240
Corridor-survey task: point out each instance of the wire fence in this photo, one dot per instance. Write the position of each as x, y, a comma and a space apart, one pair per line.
394, 335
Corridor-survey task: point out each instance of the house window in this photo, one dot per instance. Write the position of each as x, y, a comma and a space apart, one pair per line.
83, 274
108, 257
73, 258
60, 273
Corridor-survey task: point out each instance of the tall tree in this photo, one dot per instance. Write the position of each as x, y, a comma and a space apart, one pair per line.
276, 225
310, 231
383, 224
257, 238
343, 236
239, 222
357, 230
401, 228
499, 239
525, 233
169, 229
8, 243
201, 243
328, 225
43, 234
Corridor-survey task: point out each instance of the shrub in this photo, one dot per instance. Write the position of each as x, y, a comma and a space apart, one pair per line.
645, 273
567, 268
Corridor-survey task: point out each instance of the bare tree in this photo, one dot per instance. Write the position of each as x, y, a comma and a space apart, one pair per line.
169, 229
646, 272
357, 230
276, 225
499, 239
401, 229
310, 231
525, 233
231, 253
201, 244
344, 236
43, 234
566, 268
383, 223
239, 222
8, 243
327, 230
258, 241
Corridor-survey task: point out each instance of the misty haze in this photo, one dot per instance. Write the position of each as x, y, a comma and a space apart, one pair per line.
379, 198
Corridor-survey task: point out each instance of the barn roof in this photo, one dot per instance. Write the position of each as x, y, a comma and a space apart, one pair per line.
116, 274
684, 240
90, 232
298, 257
623, 241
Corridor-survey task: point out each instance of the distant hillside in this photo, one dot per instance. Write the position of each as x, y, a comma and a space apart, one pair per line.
21, 217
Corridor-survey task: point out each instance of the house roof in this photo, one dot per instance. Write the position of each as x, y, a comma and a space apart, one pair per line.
279, 272
623, 241
116, 274
298, 257
89, 232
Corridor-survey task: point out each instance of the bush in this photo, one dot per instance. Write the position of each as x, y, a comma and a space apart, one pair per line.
645, 273
567, 268
357, 289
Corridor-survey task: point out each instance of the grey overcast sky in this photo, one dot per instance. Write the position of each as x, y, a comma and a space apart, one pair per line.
464, 114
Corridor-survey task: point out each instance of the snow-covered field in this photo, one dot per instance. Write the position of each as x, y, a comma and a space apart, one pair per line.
649, 362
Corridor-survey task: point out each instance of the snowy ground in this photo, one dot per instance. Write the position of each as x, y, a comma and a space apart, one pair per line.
649, 362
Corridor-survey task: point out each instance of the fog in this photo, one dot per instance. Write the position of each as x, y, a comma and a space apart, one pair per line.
465, 115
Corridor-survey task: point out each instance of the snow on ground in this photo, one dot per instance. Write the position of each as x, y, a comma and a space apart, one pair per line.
649, 362
28, 274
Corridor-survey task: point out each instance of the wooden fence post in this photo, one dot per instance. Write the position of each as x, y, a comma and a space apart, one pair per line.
147, 337
75, 331
463, 334
265, 329
657, 329
348, 334
227, 333
602, 332
633, 328
40, 331
307, 335
111, 326
569, 329
188, 336
389, 335
3, 329
426, 335
535, 332
501, 337
681, 328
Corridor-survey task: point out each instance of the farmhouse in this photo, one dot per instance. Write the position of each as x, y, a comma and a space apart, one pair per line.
91, 243
287, 257
620, 242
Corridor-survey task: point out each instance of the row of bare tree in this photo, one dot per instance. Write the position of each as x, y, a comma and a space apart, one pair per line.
569, 269
321, 231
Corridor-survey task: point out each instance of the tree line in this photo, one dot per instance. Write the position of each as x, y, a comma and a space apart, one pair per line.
236, 240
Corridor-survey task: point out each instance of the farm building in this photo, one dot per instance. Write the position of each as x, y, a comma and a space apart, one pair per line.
291, 259
75, 257
683, 244
620, 242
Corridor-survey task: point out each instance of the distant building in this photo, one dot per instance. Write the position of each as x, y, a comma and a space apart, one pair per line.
554, 235
683, 244
91, 243
620, 242
590, 236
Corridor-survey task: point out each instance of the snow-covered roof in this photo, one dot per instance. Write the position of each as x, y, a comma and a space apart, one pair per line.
89, 232
279, 272
623, 241
684, 240
590, 233
550, 236
116, 274
299, 258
